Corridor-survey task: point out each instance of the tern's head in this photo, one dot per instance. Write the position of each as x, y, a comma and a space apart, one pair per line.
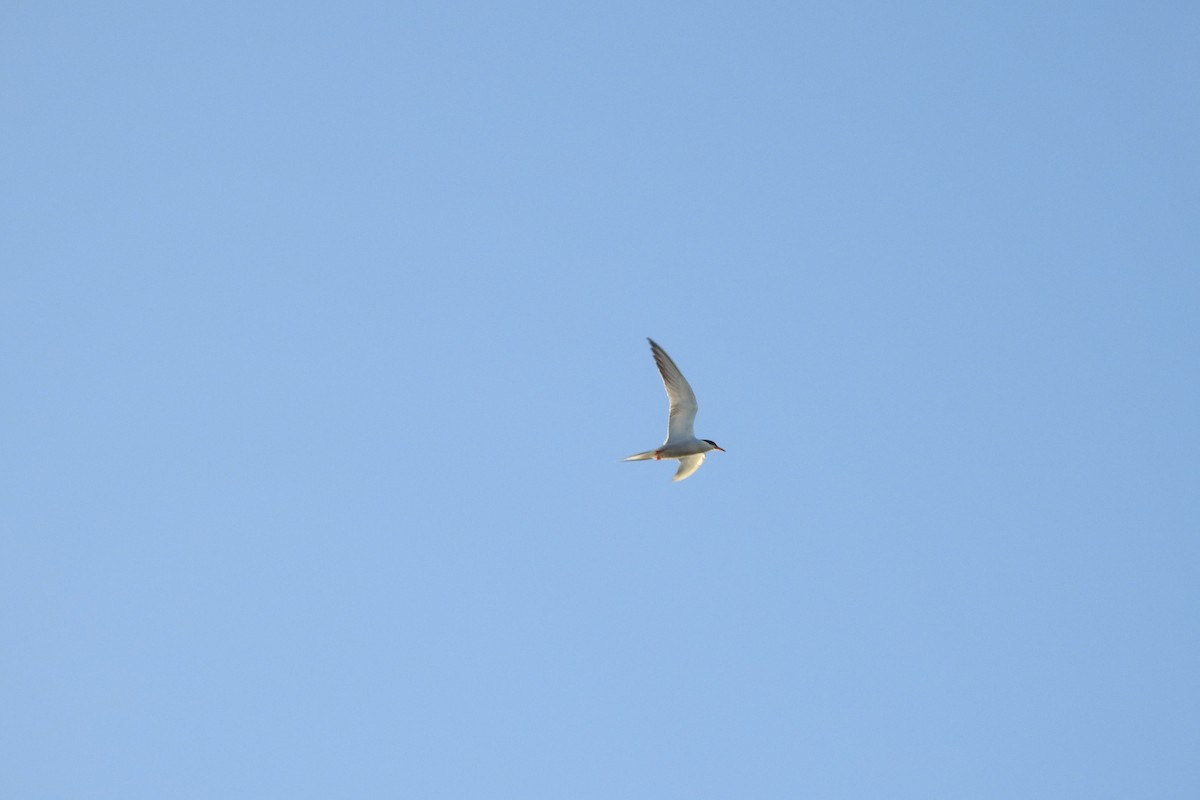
715, 445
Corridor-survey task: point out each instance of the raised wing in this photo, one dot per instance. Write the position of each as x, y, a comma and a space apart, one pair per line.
688, 465
683, 400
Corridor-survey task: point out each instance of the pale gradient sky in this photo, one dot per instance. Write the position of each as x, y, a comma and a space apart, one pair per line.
324, 334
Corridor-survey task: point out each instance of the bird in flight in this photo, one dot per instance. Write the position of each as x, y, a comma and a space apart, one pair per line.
681, 443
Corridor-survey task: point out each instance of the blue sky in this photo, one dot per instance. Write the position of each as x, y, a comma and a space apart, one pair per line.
324, 334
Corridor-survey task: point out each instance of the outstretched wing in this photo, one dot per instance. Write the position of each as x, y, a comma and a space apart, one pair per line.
688, 465
683, 400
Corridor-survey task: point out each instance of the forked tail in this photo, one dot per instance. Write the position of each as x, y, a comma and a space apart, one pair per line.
646, 456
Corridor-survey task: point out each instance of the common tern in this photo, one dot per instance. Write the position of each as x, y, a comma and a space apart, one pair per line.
681, 443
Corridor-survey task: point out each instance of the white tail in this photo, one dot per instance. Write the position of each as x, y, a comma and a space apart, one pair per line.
646, 456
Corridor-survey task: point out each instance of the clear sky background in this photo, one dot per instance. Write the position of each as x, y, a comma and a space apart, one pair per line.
323, 335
